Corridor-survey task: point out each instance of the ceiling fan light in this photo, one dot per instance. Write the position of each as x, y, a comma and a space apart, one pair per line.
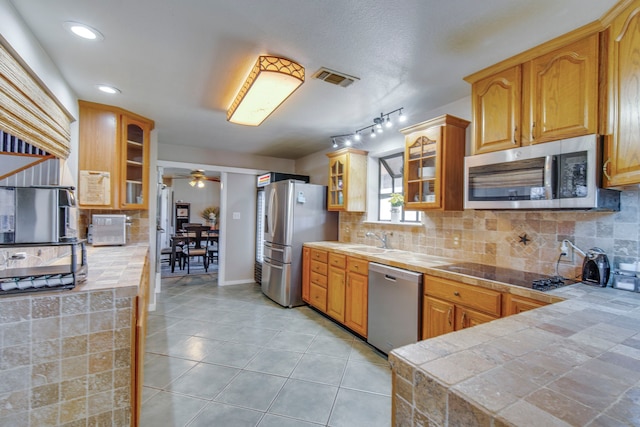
271, 81
200, 184
193, 182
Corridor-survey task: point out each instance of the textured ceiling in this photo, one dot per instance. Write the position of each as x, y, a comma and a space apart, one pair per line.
180, 63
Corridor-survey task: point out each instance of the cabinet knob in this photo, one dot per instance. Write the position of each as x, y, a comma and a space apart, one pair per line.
456, 293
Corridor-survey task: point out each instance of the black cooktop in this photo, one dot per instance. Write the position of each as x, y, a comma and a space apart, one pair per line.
525, 279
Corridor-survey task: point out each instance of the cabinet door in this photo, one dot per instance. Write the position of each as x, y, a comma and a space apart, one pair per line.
466, 318
338, 184
437, 318
135, 163
336, 293
496, 111
514, 304
564, 92
98, 153
357, 303
623, 147
423, 164
306, 273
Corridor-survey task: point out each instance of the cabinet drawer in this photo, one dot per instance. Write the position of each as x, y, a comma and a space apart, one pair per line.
318, 267
319, 279
482, 299
356, 265
318, 297
337, 260
318, 255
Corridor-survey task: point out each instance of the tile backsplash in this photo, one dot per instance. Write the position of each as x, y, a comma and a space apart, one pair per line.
522, 240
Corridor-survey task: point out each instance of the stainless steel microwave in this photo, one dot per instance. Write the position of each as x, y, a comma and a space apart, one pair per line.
562, 174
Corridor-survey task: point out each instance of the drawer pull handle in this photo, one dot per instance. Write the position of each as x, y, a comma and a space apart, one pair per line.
456, 293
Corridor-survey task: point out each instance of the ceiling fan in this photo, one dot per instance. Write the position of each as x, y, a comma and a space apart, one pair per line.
197, 178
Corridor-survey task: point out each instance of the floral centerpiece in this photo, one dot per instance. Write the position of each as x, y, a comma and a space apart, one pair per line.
210, 214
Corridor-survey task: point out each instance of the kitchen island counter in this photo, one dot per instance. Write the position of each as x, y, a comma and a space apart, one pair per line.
69, 357
575, 362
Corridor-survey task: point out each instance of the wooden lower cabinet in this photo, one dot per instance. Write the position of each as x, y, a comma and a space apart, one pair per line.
338, 287
336, 290
357, 296
450, 306
466, 318
437, 317
139, 336
514, 304
316, 260
306, 273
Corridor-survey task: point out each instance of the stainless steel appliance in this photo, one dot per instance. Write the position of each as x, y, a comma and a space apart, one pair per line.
554, 175
36, 214
596, 268
395, 301
262, 182
295, 213
109, 230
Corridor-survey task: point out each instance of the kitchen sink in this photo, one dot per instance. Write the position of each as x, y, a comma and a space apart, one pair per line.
371, 250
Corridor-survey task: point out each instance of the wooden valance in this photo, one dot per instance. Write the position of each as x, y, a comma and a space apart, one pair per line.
28, 110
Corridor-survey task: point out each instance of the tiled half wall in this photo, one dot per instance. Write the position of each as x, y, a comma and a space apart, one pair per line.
497, 237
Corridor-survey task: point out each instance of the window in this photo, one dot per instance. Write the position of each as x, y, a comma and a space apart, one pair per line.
391, 170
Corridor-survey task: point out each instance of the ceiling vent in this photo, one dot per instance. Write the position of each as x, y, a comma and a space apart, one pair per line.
334, 77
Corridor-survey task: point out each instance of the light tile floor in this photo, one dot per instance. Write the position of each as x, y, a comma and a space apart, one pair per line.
229, 356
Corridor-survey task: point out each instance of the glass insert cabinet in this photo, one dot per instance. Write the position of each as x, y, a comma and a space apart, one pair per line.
347, 180
434, 164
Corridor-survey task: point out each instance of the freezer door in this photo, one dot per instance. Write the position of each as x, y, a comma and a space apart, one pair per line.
275, 282
277, 252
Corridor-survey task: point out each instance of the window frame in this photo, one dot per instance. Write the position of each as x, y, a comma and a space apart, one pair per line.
382, 163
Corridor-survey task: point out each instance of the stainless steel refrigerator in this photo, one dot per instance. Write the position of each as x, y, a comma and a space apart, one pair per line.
295, 213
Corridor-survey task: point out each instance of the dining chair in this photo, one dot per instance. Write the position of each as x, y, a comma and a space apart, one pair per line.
193, 247
212, 246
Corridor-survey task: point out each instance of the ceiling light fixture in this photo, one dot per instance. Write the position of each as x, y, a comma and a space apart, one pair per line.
83, 31
377, 126
271, 80
111, 90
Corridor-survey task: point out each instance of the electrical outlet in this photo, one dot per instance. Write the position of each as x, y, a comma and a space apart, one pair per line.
569, 258
456, 239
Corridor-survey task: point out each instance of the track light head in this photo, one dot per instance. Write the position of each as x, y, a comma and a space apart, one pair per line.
401, 117
373, 133
357, 136
335, 144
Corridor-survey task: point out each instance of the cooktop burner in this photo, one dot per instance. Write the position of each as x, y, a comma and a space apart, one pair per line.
525, 279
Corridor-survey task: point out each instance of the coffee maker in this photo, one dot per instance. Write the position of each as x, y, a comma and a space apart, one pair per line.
596, 268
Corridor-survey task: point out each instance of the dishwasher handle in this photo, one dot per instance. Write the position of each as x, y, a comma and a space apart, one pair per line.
390, 278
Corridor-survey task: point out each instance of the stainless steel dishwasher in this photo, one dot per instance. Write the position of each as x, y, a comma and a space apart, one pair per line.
395, 300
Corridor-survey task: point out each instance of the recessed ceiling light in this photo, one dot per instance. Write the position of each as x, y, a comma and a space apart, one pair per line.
84, 31
108, 89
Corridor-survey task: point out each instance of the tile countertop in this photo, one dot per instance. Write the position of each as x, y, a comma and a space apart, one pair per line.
114, 267
576, 362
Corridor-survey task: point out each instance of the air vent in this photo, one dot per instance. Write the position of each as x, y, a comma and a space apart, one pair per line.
334, 77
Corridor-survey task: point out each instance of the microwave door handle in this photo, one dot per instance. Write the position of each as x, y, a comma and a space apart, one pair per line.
549, 171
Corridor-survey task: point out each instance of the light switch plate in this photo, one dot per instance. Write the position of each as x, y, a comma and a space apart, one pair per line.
236, 215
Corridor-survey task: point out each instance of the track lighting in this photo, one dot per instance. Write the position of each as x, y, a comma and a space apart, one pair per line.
379, 123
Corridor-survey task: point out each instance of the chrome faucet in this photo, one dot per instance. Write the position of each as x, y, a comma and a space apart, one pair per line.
383, 239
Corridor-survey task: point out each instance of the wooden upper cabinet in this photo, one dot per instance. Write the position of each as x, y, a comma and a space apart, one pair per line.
496, 104
547, 93
347, 180
564, 92
622, 166
114, 145
433, 164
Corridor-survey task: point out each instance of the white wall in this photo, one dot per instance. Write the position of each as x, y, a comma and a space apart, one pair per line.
199, 198
238, 212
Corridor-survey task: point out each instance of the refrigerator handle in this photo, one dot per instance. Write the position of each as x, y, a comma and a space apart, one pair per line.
271, 212
278, 267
